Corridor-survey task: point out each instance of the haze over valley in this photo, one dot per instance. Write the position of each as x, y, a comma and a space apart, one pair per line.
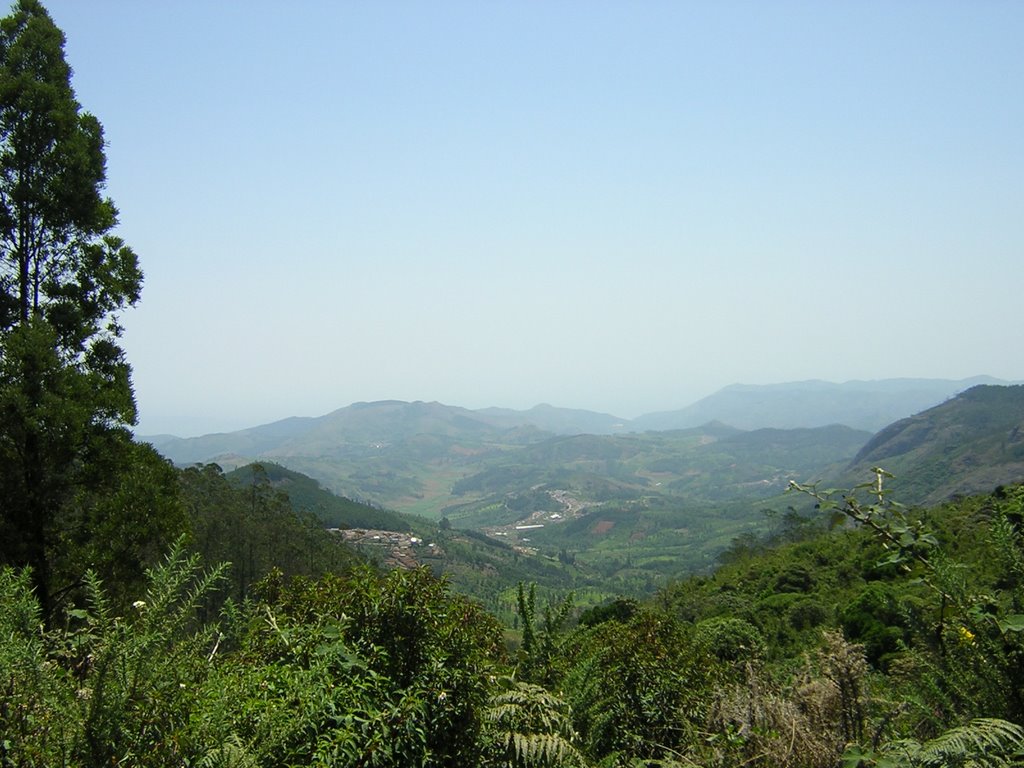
689, 480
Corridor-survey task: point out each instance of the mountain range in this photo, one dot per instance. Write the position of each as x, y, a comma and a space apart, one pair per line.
436, 460
866, 405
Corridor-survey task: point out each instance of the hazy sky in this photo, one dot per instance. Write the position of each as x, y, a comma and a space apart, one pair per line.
615, 206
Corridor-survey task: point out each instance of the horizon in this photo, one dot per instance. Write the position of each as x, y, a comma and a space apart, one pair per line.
988, 380
620, 207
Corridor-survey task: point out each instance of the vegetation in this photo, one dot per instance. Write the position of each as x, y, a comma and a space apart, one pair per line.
967, 445
65, 392
256, 529
153, 616
897, 643
307, 495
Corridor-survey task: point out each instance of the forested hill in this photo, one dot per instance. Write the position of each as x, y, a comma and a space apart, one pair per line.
306, 495
969, 444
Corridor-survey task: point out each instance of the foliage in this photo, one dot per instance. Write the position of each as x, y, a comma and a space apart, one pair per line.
255, 528
637, 688
540, 639
529, 726
65, 390
35, 695
392, 669
425, 654
982, 742
107, 689
307, 496
367, 670
972, 652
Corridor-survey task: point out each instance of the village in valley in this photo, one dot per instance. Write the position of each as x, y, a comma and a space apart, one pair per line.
402, 549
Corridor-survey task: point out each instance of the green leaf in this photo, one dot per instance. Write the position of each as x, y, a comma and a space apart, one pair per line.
855, 757
1012, 623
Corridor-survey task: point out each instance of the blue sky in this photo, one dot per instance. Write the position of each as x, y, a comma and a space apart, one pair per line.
614, 206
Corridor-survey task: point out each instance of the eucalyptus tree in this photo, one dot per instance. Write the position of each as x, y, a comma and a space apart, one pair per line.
66, 398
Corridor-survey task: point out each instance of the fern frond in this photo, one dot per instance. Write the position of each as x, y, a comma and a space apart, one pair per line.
531, 726
231, 754
541, 748
982, 742
96, 599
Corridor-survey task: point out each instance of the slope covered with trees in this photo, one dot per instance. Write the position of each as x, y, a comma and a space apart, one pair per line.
969, 444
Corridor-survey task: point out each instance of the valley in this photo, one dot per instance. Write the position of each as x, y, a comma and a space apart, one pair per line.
491, 500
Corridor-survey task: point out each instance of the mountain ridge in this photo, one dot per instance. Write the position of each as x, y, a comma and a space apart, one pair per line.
715, 407
861, 404
431, 459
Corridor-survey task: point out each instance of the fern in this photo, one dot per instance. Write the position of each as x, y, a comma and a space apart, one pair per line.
529, 726
135, 691
231, 754
37, 697
982, 743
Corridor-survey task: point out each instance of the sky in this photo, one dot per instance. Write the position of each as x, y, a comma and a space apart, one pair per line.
617, 206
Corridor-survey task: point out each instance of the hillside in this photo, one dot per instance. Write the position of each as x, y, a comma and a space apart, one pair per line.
308, 496
487, 569
707, 466
967, 445
429, 458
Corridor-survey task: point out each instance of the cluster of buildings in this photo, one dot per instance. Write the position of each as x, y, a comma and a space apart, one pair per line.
398, 549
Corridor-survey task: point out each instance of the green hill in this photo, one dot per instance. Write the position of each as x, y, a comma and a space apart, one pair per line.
307, 495
969, 444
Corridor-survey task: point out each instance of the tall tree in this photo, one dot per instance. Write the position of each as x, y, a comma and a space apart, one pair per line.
65, 387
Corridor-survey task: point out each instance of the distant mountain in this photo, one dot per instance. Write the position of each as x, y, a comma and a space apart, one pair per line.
244, 443
360, 426
393, 453
868, 405
482, 467
967, 445
558, 421
380, 422
432, 459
